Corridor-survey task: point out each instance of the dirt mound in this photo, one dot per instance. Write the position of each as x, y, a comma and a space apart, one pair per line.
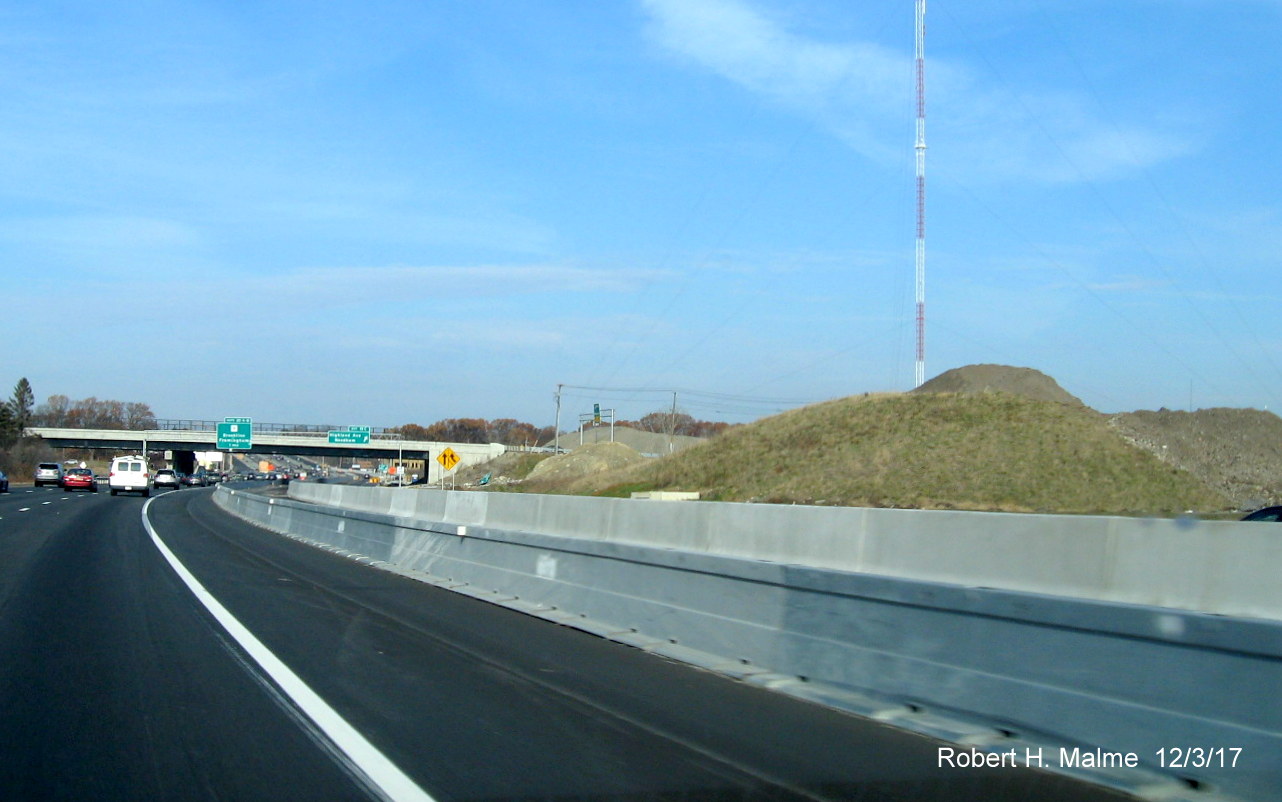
976, 451
505, 469
1235, 451
642, 442
974, 379
593, 458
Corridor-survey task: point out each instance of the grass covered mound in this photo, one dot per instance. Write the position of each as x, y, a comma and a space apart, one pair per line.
986, 451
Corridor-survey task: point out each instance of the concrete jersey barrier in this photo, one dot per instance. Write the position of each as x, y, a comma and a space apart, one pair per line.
1069, 661
1227, 568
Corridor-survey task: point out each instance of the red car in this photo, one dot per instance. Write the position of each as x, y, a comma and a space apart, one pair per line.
80, 479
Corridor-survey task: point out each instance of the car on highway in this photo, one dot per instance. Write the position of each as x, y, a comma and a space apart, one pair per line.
80, 479
4, 482
166, 477
1267, 514
130, 475
196, 479
48, 473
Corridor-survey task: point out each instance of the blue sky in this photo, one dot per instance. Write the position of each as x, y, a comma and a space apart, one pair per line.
390, 212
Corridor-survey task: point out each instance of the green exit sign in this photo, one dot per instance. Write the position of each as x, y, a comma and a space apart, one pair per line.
234, 436
348, 438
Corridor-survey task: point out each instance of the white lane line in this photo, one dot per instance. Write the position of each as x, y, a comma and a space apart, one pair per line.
24, 509
381, 772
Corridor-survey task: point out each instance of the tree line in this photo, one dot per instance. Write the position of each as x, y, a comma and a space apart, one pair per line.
510, 432
677, 423
20, 453
92, 413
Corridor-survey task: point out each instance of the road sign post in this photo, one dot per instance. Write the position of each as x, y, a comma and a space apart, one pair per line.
449, 460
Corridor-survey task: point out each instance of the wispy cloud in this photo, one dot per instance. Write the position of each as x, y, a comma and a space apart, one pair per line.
1130, 284
313, 291
844, 86
863, 92
379, 284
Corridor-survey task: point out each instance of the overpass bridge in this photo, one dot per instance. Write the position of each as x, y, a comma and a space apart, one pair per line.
185, 438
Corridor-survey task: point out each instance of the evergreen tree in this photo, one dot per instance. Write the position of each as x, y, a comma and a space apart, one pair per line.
9, 429
24, 400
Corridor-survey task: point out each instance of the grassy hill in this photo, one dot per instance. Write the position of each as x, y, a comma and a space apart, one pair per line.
985, 451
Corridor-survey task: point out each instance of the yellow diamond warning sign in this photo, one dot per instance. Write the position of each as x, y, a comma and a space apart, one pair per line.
448, 458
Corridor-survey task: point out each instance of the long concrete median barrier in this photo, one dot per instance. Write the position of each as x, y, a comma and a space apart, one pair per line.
1053, 636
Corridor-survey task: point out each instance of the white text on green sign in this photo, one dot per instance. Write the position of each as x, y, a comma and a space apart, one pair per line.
234, 436
348, 438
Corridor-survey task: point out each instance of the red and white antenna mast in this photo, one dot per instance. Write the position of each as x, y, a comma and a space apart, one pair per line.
920, 148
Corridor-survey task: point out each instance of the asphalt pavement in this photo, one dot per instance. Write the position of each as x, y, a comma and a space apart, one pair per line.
117, 682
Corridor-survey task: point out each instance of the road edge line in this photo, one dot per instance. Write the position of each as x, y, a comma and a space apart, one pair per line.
383, 775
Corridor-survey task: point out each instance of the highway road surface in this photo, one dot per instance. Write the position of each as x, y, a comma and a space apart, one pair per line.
164, 650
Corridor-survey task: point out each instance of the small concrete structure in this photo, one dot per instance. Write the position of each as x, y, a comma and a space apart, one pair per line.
667, 495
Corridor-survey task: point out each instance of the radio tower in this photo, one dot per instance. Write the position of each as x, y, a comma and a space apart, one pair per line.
920, 148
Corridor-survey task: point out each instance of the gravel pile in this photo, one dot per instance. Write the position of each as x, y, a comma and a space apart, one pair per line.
583, 461
642, 442
1235, 451
1024, 382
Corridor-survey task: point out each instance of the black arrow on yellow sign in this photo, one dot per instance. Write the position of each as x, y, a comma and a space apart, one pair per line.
448, 459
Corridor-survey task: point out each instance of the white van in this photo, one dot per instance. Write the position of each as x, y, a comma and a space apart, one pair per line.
129, 475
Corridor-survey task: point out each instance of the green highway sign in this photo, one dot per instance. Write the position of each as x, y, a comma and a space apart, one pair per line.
235, 436
246, 421
364, 429
348, 437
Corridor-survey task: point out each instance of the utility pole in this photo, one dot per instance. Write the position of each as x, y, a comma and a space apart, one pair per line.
556, 432
672, 421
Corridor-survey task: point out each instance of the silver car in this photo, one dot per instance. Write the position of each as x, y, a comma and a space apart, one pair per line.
48, 473
166, 477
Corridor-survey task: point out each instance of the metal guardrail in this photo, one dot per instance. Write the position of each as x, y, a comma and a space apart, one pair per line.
189, 425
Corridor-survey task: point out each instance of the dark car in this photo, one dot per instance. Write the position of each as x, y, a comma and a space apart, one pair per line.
80, 479
1266, 514
196, 479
